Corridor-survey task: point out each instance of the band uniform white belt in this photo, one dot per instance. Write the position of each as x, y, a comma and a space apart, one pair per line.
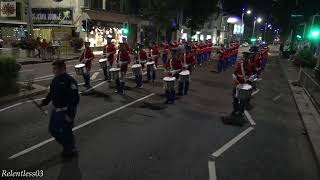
60, 109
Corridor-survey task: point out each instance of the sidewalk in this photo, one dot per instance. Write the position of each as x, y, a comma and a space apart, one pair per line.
309, 115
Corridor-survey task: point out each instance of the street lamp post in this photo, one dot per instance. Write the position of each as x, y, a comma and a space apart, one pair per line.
256, 20
242, 21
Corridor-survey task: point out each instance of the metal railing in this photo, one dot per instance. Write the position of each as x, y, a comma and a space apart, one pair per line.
311, 87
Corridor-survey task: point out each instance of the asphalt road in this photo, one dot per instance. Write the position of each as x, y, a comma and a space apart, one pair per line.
136, 136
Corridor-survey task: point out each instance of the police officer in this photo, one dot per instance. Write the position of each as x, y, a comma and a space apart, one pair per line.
65, 98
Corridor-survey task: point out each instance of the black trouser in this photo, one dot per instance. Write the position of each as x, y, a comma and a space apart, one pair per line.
170, 95
106, 73
86, 78
61, 130
138, 79
183, 87
120, 85
151, 73
238, 104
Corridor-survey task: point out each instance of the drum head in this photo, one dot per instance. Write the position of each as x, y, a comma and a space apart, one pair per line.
79, 65
185, 73
115, 69
169, 78
136, 66
244, 86
149, 63
103, 60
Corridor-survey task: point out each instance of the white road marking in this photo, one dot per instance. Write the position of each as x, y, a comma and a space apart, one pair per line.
255, 92
12, 106
277, 97
93, 87
78, 127
231, 143
27, 70
212, 170
39, 99
94, 75
249, 117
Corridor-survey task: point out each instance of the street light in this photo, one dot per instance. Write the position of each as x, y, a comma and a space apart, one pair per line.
248, 12
259, 20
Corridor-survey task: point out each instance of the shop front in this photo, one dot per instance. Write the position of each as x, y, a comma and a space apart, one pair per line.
53, 23
104, 24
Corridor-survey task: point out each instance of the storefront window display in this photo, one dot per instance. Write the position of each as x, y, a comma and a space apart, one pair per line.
98, 36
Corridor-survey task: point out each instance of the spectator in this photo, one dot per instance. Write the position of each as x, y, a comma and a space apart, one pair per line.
38, 46
44, 47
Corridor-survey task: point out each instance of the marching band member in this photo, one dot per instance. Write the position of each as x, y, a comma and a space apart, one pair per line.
165, 52
64, 96
221, 59
173, 64
123, 62
155, 53
188, 62
189, 59
111, 50
239, 77
142, 56
87, 58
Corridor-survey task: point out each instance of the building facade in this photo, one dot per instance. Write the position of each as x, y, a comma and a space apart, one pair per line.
13, 21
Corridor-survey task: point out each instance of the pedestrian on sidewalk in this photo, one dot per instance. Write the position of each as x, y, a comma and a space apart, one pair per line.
86, 58
64, 96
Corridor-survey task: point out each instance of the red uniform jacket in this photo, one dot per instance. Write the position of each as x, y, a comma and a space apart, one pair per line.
143, 55
111, 48
238, 72
190, 59
88, 56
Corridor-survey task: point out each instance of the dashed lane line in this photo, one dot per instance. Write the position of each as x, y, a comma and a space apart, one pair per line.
233, 141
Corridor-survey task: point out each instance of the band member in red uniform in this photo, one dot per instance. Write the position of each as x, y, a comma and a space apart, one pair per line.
155, 53
165, 52
142, 56
221, 59
189, 59
175, 63
87, 58
123, 62
239, 77
111, 50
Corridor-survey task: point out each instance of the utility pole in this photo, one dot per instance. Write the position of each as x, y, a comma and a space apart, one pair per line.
29, 18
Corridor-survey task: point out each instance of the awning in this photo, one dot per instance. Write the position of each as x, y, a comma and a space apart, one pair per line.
111, 17
52, 25
12, 22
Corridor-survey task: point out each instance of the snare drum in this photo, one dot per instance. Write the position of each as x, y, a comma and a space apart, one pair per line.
136, 69
151, 66
104, 63
169, 82
244, 91
115, 73
184, 75
80, 69
253, 80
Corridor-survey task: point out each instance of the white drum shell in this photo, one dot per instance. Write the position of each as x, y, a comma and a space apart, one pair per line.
169, 82
104, 63
136, 69
115, 73
80, 69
